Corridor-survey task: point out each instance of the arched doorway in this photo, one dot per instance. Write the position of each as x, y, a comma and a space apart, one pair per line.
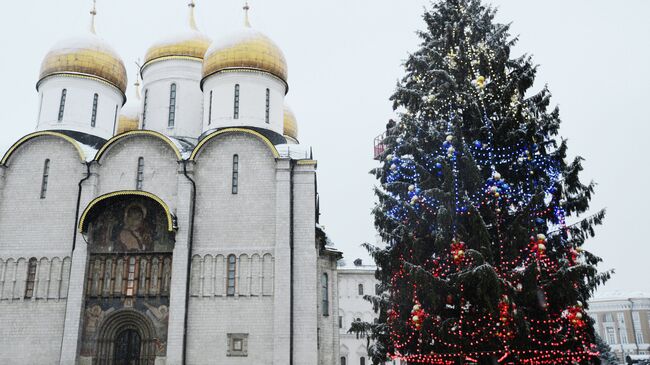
130, 237
127, 347
126, 337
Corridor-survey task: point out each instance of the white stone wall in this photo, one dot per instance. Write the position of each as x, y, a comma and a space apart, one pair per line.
328, 348
225, 221
242, 224
119, 166
306, 283
78, 105
40, 228
157, 80
252, 100
31, 226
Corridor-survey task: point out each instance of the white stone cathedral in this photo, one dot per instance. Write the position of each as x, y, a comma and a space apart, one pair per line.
180, 228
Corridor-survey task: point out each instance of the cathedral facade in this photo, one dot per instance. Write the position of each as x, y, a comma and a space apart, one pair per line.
177, 228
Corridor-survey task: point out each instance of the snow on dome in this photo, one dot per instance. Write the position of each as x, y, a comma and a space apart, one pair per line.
187, 42
87, 55
245, 49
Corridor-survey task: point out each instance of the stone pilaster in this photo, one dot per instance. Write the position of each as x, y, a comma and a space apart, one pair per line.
178, 292
75, 302
282, 294
305, 281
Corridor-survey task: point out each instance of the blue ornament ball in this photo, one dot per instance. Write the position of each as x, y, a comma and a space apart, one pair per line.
478, 144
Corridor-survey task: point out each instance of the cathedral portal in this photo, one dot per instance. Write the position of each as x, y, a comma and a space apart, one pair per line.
130, 244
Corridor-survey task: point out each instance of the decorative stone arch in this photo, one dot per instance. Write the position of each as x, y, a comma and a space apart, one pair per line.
119, 321
29, 137
135, 134
220, 132
83, 222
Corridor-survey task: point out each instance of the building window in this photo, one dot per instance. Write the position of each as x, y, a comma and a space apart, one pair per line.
117, 108
636, 318
236, 112
362, 361
93, 117
639, 336
64, 93
621, 319
340, 321
232, 266
268, 105
237, 344
344, 361
172, 106
623, 335
144, 108
46, 176
325, 294
235, 174
140, 177
31, 278
210, 110
611, 336
360, 289
608, 318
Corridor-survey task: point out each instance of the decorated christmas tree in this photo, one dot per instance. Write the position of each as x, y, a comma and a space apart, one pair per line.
480, 264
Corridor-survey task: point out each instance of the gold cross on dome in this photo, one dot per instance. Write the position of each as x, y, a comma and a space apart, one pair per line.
246, 9
93, 13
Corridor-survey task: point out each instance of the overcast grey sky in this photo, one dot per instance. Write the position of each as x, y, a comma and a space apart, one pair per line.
344, 59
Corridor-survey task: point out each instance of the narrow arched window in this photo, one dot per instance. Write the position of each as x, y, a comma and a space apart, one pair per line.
144, 108
268, 105
140, 176
362, 361
46, 176
210, 110
360, 289
232, 267
343, 361
117, 108
93, 117
31, 278
325, 294
235, 174
236, 110
64, 93
172, 106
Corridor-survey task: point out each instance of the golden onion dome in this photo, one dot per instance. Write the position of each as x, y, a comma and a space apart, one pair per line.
85, 56
129, 119
290, 123
126, 123
188, 44
88, 56
245, 49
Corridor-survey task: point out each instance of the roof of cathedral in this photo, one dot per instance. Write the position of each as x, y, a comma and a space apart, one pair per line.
245, 49
87, 55
187, 44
